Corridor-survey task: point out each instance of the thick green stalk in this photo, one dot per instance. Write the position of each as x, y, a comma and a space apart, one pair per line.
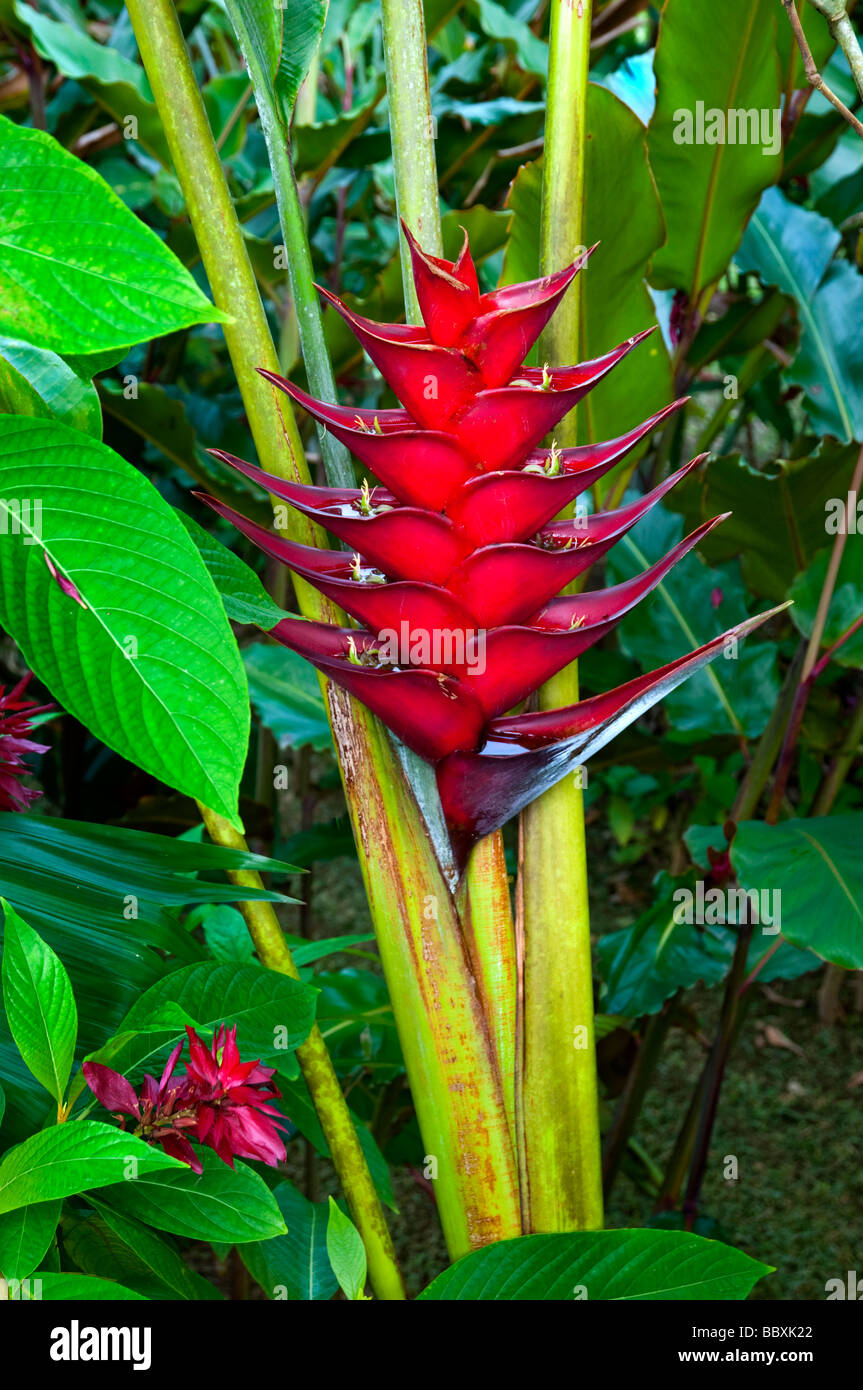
484, 904
223, 251
412, 131
448, 1047
454, 1076
337, 460
558, 1102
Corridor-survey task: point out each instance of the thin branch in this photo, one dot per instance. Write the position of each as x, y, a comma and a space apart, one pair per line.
813, 76
840, 26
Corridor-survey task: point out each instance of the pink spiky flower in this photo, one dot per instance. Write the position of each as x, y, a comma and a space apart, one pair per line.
16, 722
220, 1101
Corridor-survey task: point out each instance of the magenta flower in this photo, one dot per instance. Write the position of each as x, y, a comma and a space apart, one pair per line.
163, 1112
16, 717
220, 1101
234, 1113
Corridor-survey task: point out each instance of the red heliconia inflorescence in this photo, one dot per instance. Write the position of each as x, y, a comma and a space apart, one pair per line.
219, 1101
455, 560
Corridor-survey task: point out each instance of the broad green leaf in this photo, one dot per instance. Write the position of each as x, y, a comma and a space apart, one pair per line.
102, 896
273, 1013
225, 932
116, 83
709, 190
694, 603
36, 382
794, 493
140, 650
643, 965
846, 604
75, 1157
346, 1253
793, 248
304, 952
286, 694
25, 1235
615, 302
114, 1246
816, 866
244, 596
39, 1003
161, 418
600, 1265
75, 1288
515, 34
294, 1266
79, 273
222, 1204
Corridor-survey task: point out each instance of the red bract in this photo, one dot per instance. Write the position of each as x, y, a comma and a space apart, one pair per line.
220, 1101
232, 1099
454, 561
16, 716
164, 1112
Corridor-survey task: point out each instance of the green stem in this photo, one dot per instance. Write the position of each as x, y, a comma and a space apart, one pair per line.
412, 132
481, 919
321, 1079
225, 258
558, 1116
337, 460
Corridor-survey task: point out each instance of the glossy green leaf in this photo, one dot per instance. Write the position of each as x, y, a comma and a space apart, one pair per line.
140, 650
794, 493
273, 1013
105, 280
816, 866
75, 1157
283, 39
846, 605
36, 382
76, 1288
709, 190
600, 1265
116, 83
244, 596
294, 1266
793, 248
221, 1204
738, 692
287, 696
514, 33
225, 932
107, 1244
346, 1253
25, 1235
39, 1003
614, 296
